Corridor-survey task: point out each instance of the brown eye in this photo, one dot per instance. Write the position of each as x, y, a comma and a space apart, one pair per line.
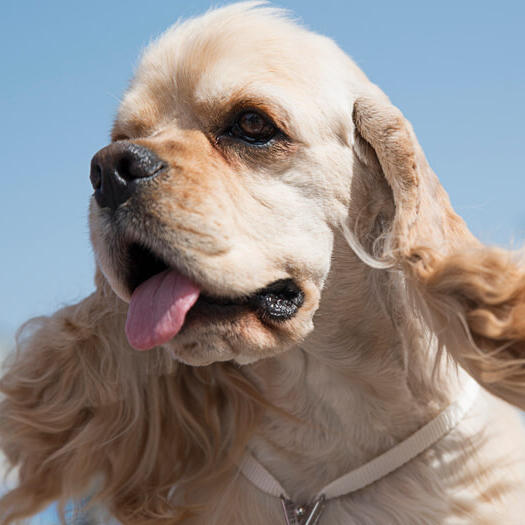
252, 127
116, 138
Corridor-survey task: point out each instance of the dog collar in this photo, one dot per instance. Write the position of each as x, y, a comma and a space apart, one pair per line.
374, 470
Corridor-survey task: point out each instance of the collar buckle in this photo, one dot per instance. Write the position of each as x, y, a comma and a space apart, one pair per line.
302, 514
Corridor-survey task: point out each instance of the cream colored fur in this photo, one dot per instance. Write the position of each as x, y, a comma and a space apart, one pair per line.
400, 299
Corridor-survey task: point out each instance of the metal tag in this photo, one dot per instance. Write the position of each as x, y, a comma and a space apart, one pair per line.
307, 514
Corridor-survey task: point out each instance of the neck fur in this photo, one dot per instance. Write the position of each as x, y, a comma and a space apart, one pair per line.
362, 382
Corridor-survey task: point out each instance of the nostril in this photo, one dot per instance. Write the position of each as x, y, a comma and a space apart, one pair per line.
123, 168
96, 176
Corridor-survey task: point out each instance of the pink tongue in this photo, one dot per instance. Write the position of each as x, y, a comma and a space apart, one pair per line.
158, 308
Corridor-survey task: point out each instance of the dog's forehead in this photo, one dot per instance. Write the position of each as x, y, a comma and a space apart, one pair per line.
239, 52
236, 44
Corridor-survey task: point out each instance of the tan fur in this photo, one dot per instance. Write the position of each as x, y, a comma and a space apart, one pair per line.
398, 293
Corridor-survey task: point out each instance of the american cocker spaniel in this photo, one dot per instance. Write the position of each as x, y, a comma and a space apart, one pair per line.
290, 322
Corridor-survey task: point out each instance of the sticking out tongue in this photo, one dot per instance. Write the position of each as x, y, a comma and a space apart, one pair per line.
158, 308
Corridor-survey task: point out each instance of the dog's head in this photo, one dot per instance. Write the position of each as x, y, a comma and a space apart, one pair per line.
244, 144
230, 166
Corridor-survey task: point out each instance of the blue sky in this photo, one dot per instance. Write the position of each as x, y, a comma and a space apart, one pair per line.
456, 69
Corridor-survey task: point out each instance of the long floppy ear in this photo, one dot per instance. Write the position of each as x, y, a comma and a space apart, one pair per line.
80, 405
470, 295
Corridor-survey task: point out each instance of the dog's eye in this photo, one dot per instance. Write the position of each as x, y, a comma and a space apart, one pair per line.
253, 128
120, 136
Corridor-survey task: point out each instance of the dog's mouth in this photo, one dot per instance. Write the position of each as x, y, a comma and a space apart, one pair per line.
162, 296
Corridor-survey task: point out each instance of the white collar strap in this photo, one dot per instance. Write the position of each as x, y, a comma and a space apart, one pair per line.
370, 472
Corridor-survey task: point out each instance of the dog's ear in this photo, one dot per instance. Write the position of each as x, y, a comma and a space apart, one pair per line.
78, 405
423, 216
471, 296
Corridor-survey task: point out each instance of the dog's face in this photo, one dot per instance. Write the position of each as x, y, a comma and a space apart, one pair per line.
230, 167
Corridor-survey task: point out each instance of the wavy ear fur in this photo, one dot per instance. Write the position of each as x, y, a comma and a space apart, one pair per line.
80, 405
470, 295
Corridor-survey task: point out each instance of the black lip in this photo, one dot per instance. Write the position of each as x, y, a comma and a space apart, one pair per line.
279, 301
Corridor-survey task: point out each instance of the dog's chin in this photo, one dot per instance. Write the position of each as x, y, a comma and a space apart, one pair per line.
194, 350
201, 355
214, 332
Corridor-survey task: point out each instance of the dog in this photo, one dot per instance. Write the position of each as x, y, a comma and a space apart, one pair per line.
285, 301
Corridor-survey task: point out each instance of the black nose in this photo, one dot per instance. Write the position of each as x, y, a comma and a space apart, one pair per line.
117, 169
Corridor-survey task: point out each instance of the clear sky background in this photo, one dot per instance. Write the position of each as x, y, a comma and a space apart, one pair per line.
455, 68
